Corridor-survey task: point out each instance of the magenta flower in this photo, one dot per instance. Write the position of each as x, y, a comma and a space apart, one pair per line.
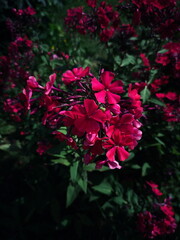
106, 34
32, 83
115, 146
74, 75
154, 188
87, 117
106, 90
49, 85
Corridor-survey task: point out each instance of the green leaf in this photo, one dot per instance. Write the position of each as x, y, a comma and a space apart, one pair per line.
157, 102
62, 161
104, 188
145, 168
63, 130
163, 51
44, 59
153, 73
117, 59
92, 167
159, 141
130, 157
118, 200
130, 194
54, 63
5, 147
82, 182
145, 94
72, 193
73, 171
136, 166
45, 47
7, 129
129, 59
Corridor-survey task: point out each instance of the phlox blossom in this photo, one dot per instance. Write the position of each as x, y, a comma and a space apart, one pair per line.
106, 90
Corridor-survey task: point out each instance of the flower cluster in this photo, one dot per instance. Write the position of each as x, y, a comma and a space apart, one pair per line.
161, 16
102, 19
20, 21
170, 59
159, 222
172, 106
97, 118
14, 67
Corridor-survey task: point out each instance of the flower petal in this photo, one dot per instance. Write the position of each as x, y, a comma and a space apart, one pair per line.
101, 96
99, 116
90, 106
107, 78
111, 154
122, 154
87, 125
112, 98
96, 85
113, 165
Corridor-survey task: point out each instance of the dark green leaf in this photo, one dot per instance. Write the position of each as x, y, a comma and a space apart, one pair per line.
104, 188
157, 102
145, 168
73, 171
145, 94
72, 193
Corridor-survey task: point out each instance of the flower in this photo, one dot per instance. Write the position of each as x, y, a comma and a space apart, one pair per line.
154, 188
87, 117
115, 146
74, 75
106, 89
106, 34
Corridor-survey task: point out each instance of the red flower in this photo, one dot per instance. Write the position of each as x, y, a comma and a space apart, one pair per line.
43, 147
49, 84
91, 3
145, 60
106, 34
171, 96
111, 165
32, 83
25, 96
115, 146
62, 137
87, 117
106, 89
154, 188
160, 4
74, 75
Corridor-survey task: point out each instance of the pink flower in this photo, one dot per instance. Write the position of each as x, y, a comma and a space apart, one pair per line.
160, 95
74, 75
163, 59
106, 89
106, 34
90, 139
62, 137
91, 3
145, 60
115, 146
171, 96
30, 11
25, 96
43, 147
111, 165
32, 83
87, 117
154, 188
49, 84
